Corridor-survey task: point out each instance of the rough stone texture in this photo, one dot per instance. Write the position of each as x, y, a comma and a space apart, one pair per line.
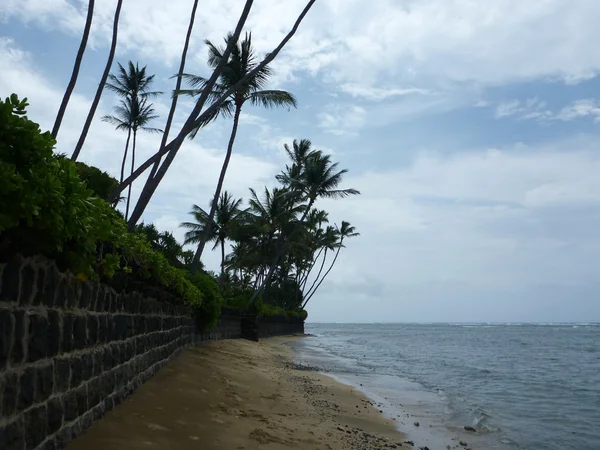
71, 351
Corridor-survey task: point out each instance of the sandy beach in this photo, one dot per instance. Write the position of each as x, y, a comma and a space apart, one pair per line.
238, 394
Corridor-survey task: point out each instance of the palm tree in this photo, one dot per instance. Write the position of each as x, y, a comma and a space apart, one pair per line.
241, 62
133, 84
71, 86
134, 114
318, 178
227, 213
345, 231
96, 101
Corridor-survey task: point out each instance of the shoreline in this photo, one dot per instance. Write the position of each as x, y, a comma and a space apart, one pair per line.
236, 394
413, 411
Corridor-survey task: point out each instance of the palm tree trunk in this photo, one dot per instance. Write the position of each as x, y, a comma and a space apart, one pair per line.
125, 156
326, 273
222, 261
132, 166
71, 86
318, 274
305, 277
96, 101
177, 86
213, 206
195, 118
171, 149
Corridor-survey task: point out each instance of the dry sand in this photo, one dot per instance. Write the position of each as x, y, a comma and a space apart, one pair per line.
238, 394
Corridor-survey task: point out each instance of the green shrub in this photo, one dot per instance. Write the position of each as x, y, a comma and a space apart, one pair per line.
101, 183
45, 207
209, 311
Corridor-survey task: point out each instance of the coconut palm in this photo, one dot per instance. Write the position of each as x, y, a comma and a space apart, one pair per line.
318, 178
345, 231
241, 62
71, 86
132, 83
133, 114
96, 101
227, 213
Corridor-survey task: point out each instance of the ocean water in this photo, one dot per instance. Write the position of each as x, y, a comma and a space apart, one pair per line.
521, 386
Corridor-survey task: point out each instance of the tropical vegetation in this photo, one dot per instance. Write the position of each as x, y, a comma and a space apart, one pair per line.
276, 247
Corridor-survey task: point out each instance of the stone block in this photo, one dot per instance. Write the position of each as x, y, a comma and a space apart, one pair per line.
17, 355
39, 286
44, 384
72, 294
92, 329
87, 420
107, 359
103, 330
70, 405
67, 333
6, 335
94, 392
50, 444
55, 414
38, 343
60, 301
76, 371
62, 374
11, 282
26, 388
82, 399
85, 296
97, 358
12, 435
8, 393
53, 336
28, 284
79, 332
36, 426
87, 366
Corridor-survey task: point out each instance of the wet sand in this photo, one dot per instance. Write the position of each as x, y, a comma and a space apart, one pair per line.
238, 394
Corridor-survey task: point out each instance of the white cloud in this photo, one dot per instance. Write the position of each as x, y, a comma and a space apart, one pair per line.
342, 120
531, 108
588, 107
355, 45
537, 110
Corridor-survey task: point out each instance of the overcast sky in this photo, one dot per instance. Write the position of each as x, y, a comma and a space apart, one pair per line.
472, 129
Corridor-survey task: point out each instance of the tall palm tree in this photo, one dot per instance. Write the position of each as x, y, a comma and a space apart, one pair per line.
132, 83
96, 101
71, 86
227, 213
319, 178
134, 114
241, 62
346, 231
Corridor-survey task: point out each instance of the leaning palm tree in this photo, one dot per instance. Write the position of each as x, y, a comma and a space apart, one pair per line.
134, 115
241, 62
71, 86
96, 101
132, 83
319, 178
345, 231
227, 213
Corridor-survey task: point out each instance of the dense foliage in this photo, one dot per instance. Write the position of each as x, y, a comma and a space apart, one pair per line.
45, 207
53, 206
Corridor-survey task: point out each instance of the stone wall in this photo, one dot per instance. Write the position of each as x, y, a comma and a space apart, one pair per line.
70, 351
279, 327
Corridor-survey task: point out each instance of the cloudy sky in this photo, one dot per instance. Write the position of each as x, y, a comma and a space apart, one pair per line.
472, 129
